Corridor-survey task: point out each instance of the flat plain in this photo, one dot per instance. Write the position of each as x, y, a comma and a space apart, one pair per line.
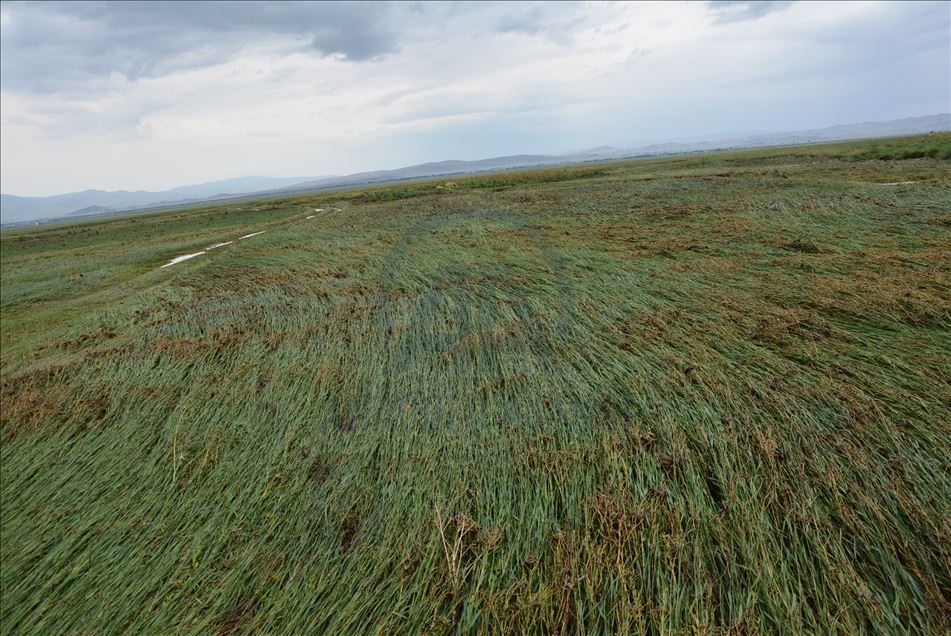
690, 394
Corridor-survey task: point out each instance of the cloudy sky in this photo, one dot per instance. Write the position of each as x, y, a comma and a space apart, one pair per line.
149, 96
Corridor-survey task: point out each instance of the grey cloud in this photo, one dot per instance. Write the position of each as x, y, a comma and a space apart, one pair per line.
55, 45
740, 10
530, 21
555, 21
898, 44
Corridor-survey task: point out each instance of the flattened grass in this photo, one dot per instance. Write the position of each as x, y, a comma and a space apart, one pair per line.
664, 396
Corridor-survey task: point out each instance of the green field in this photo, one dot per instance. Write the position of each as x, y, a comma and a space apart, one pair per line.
669, 396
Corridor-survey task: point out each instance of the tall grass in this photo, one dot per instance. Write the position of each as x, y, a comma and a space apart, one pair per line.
669, 396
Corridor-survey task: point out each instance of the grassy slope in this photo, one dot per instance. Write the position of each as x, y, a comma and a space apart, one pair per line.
659, 395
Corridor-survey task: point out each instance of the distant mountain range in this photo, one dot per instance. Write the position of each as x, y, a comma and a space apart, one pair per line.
14, 209
17, 210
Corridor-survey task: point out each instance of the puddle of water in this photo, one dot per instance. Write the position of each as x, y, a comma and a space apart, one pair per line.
318, 209
183, 257
309, 217
896, 183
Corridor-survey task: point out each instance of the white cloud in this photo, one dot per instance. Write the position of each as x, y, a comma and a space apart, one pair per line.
440, 81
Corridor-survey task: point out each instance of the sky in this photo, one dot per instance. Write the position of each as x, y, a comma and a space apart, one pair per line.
113, 95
